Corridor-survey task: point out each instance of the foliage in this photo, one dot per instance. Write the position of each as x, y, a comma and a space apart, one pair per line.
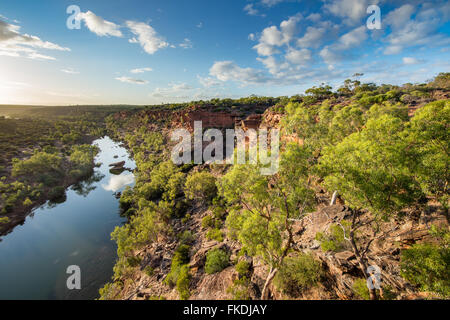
180, 258
360, 289
200, 186
427, 265
429, 134
298, 273
372, 168
240, 290
216, 261
334, 238
243, 268
215, 234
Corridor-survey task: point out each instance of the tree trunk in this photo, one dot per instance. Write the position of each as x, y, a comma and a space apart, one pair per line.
265, 291
362, 263
333, 198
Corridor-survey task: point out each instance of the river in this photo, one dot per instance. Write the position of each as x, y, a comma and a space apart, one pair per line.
35, 256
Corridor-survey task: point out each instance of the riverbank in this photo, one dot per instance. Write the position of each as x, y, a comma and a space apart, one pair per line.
74, 232
21, 210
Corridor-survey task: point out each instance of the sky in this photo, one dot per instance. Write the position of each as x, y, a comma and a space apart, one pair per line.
59, 52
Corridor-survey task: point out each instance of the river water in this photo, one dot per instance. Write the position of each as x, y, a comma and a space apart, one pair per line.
34, 258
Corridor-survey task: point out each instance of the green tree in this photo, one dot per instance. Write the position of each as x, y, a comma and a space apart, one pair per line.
264, 208
200, 186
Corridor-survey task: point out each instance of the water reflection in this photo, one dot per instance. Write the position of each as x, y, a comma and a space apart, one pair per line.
118, 182
35, 256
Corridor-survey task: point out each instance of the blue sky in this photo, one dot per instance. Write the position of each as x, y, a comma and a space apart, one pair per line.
146, 52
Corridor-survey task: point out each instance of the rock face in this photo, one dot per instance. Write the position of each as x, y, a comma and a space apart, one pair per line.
341, 268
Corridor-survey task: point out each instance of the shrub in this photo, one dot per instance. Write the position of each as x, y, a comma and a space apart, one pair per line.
298, 274
216, 261
215, 234
27, 202
360, 289
240, 290
180, 258
200, 186
186, 218
149, 271
183, 283
428, 267
207, 222
4, 220
334, 240
243, 268
56, 193
186, 237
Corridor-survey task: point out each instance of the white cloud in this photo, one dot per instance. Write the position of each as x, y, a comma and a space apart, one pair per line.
15, 44
421, 30
273, 36
353, 38
174, 90
200, 25
208, 81
312, 37
186, 44
141, 70
410, 60
147, 37
298, 56
228, 70
314, 17
271, 3
352, 11
250, 10
69, 71
131, 80
399, 17
251, 37
98, 25
118, 182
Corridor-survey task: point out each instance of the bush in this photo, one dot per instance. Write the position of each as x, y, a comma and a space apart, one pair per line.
56, 193
298, 274
207, 222
180, 258
360, 289
183, 283
243, 268
186, 237
4, 220
216, 261
27, 202
200, 186
334, 240
240, 290
186, 218
428, 267
215, 234
149, 271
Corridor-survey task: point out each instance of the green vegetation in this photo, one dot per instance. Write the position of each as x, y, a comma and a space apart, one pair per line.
240, 290
298, 274
334, 239
427, 265
360, 289
179, 272
361, 140
216, 261
243, 268
200, 186
43, 153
